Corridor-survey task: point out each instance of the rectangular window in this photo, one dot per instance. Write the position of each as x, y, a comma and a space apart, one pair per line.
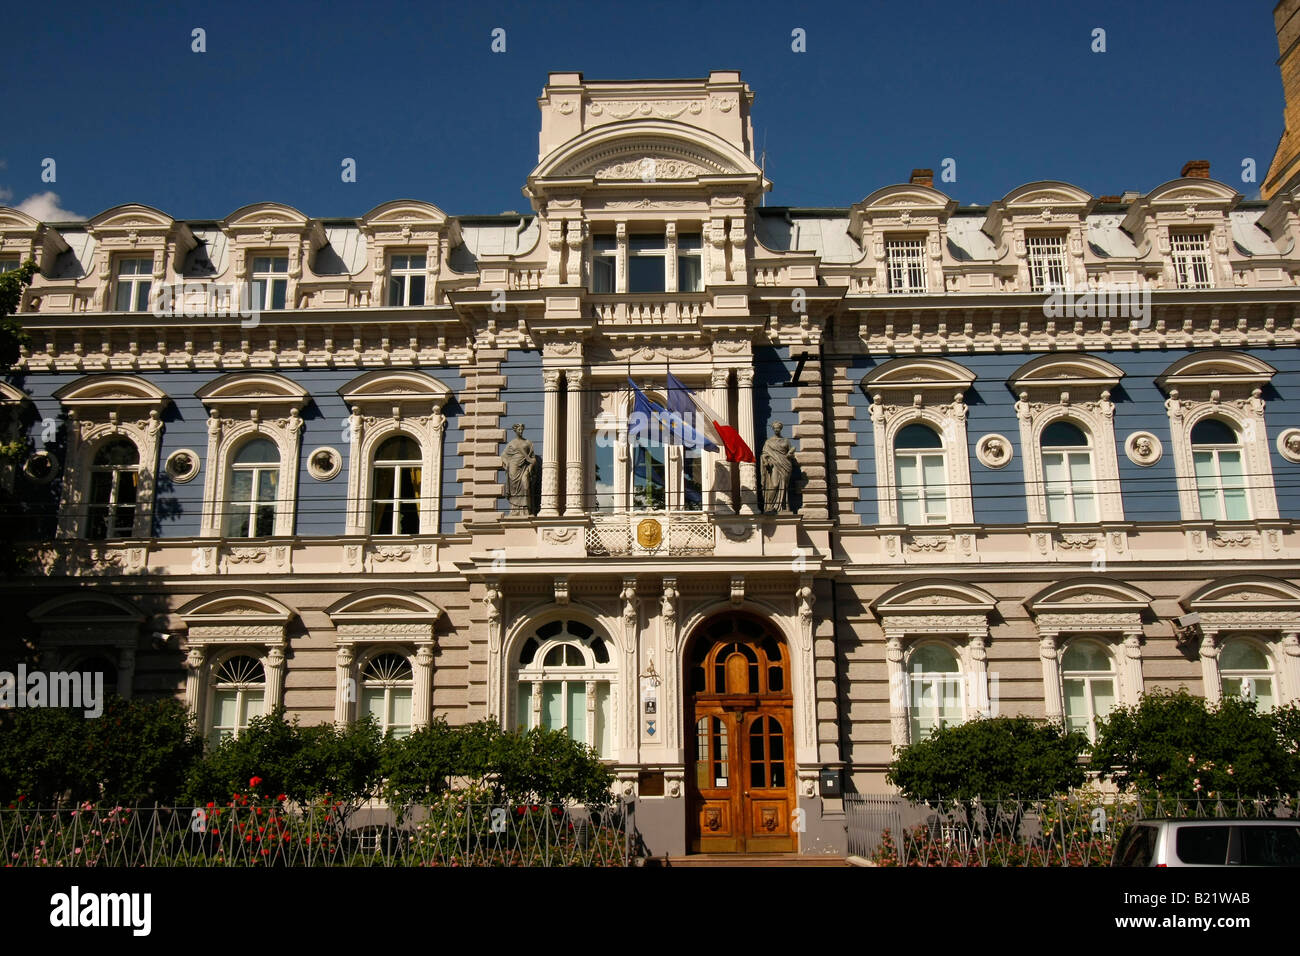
8, 263
134, 280
604, 464
1221, 485
1068, 485
922, 494
1046, 259
1191, 258
647, 264
270, 283
906, 259
604, 264
690, 263
406, 275
648, 479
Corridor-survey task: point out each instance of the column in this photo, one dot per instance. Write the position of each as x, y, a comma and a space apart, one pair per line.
620, 277
273, 664
194, 661
1290, 661
1051, 678
979, 676
720, 480
345, 685
125, 670
745, 423
422, 689
1212, 689
670, 240
550, 443
1131, 663
574, 499
898, 691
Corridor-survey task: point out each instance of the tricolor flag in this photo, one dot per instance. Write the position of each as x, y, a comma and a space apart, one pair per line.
651, 422
682, 401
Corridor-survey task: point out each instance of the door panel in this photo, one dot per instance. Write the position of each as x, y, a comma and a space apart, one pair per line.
741, 787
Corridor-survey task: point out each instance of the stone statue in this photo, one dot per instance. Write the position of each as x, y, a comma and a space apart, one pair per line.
777, 463
520, 463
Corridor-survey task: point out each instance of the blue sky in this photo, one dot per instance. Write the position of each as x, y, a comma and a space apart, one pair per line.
1011, 90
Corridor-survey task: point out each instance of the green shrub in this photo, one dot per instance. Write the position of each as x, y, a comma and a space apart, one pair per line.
135, 753
992, 758
307, 764
1177, 744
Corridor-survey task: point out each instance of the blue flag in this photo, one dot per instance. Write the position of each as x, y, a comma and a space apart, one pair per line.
651, 420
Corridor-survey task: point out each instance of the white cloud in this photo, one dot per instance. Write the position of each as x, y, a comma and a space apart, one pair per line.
45, 207
6, 194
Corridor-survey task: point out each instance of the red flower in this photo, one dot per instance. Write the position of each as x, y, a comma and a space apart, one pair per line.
281, 798
211, 804
254, 781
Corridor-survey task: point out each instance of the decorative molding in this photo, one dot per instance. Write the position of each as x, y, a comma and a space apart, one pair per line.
994, 451
1143, 449
324, 463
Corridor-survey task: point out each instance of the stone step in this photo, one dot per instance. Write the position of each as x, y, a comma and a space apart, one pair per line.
749, 859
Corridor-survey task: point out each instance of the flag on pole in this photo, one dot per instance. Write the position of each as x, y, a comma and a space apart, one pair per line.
661, 425
708, 423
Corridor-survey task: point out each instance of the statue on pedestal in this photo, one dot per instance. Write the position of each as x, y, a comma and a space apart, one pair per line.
520, 462
777, 464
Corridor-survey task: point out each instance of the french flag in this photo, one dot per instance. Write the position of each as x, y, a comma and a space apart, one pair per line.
683, 401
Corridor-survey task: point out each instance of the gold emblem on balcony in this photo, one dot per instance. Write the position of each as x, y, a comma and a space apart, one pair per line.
649, 534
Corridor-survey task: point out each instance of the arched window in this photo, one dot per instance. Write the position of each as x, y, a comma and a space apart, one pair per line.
1245, 672
1220, 477
396, 488
238, 695
254, 480
1088, 682
564, 682
921, 475
937, 686
101, 665
114, 485
387, 688
1068, 479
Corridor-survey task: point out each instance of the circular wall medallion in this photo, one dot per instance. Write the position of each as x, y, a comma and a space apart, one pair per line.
41, 467
994, 451
1143, 448
182, 465
649, 534
1288, 444
324, 463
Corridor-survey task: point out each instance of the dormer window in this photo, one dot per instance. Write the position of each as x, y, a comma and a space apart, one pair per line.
134, 280
406, 275
270, 282
1046, 259
1190, 251
906, 263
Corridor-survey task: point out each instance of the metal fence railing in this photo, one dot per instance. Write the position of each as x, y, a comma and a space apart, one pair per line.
1074, 830
451, 834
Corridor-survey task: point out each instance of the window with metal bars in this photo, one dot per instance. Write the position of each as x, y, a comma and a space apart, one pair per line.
1191, 254
1047, 266
906, 258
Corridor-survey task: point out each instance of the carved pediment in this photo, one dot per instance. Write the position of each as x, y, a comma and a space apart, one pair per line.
1237, 594
1090, 596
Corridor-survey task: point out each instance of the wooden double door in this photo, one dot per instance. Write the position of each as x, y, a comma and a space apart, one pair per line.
740, 778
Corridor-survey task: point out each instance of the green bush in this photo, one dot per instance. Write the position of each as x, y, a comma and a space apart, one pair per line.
535, 766
1177, 744
135, 753
307, 764
992, 758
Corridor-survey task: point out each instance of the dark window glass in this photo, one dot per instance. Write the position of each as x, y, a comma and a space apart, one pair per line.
1270, 845
918, 436
1211, 431
1139, 847
1063, 435
1195, 844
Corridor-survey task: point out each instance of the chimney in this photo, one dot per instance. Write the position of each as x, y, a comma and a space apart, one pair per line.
1286, 161
922, 177
1196, 169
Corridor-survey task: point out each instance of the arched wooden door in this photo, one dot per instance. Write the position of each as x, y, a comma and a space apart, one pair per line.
740, 722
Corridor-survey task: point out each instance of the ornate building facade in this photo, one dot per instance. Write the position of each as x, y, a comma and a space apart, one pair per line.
1045, 458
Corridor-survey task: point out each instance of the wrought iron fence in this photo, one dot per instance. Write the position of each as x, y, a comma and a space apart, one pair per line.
1075, 830
453, 833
